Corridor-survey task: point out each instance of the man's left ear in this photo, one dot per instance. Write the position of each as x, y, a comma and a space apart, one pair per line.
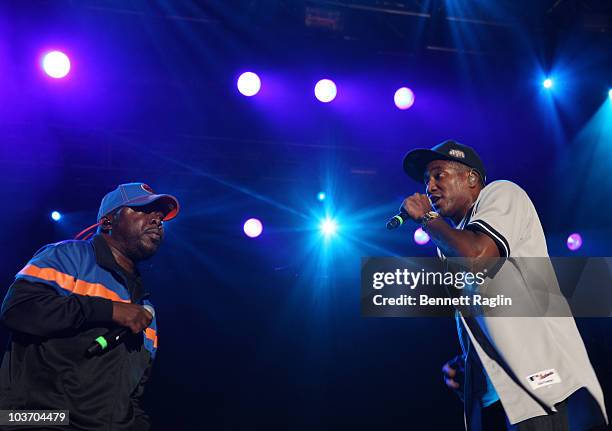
107, 224
473, 178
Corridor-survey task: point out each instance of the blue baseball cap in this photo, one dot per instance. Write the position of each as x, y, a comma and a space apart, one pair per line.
136, 195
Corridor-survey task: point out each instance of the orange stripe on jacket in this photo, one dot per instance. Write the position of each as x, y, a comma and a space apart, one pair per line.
67, 282
151, 334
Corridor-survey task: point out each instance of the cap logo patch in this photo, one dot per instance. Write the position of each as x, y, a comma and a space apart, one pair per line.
147, 189
457, 153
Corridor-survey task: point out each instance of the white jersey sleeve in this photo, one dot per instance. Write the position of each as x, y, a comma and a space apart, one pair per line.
501, 212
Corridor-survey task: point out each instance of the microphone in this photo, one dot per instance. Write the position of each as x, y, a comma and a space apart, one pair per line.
398, 219
112, 337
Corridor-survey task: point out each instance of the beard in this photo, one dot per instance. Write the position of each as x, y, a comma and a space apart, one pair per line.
144, 248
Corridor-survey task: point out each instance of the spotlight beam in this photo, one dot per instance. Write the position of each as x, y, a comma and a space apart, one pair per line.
200, 172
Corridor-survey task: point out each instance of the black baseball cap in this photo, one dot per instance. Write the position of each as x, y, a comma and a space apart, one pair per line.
416, 161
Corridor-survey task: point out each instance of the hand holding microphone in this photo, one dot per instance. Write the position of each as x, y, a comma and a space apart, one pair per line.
133, 316
130, 317
414, 207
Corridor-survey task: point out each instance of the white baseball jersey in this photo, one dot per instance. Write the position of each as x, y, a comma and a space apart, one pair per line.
544, 358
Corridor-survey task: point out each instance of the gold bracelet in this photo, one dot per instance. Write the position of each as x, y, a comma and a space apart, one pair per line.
427, 217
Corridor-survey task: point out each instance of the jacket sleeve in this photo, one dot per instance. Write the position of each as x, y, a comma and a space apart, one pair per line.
38, 309
142, 422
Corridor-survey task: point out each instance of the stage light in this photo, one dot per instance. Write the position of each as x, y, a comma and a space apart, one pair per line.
56, 216
253, 228
325, 90
421, 237
328, 227
610, 93
547, 83
404, 98
574, 241
249, 84
56, 64
321, 196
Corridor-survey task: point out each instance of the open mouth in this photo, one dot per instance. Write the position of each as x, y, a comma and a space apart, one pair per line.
435, 202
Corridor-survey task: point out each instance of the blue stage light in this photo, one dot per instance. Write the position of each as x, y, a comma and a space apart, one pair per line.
253, 228
421, 237
610, 93
328, 227
325, 90
321, 196
249, 84
56, 64
56, 216
548, 83
574, 241
404, 98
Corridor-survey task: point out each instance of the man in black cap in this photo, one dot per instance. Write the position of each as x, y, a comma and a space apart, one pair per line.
528, 365
64, 303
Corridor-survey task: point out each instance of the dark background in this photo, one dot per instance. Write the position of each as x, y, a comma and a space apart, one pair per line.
267, 332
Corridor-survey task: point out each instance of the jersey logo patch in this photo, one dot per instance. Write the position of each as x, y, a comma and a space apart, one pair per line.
457, 153
543, 378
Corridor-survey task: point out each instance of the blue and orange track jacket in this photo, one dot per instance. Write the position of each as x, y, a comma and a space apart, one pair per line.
60, 302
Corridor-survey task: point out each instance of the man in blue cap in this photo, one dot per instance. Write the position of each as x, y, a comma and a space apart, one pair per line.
83, 332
